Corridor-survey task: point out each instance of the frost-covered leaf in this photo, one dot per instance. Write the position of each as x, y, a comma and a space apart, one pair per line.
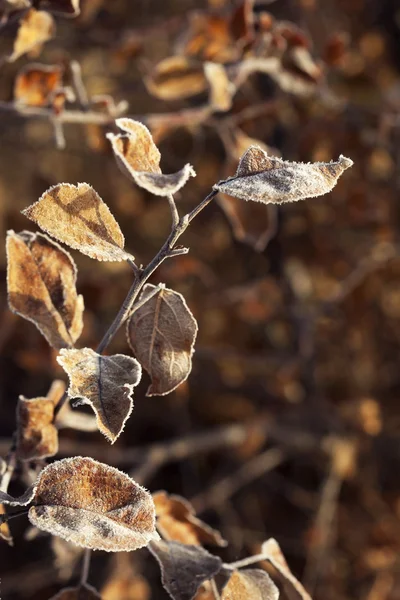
184, 568
36, 27
162, 334
176, 78
37, 437
41, 279
221, 89
65, 8
36, 84
293, 588
176, 520
82, 592
139, 158
22, 500
264, 178
78, 217
93, 505
250, 584
105, 383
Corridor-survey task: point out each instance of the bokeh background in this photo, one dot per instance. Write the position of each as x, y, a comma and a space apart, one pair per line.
298, 308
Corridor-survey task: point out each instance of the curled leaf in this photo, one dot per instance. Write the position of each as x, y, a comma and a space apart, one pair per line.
93, 505
105, 383
36, 27
82, 592
184, 568
36, 435
293, 587
41, 279
78, 217
139, 158
263, 178
176, 521
35, 84
176, 78
162, 334
250, 584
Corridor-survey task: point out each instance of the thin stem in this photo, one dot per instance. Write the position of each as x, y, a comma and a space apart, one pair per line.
202, 205
245, 562
85, 566
79, 86
214, 589
5, 517
174, 211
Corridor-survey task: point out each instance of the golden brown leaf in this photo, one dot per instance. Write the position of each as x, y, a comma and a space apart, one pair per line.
41, 279
162, 334
35, 84
36, 27
36, 435
82, 592
176, 521
293, 588
263, 178
176, 78
221, 89
139, 159
78, 217
184, 568
105, 383
250, 584
93, 505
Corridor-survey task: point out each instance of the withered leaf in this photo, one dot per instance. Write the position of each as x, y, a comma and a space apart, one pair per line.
65, 8
139, 158
41, 279
105, 383
162, 334
221, 89
250, 584
176, 78
184, 568
264, 178
176, 521
37, 437
78, 217
82, 592
93, 505
35, 84
36, 27
293, 588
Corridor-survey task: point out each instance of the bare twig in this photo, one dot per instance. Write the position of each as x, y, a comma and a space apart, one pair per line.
85, 566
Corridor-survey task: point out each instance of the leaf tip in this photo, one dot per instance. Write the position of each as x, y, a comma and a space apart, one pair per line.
345, 162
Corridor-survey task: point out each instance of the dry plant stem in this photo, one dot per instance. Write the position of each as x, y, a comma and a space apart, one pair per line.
246, 562
79, 86
85, 566
214, 589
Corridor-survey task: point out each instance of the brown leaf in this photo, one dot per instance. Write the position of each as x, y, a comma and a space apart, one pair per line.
264, 178
41, 279
162, 334
184, 568
293, 588
37, 437
5, 533
82, 592
250, 584
221, 89
65, 8
78, 217
35, 84
36, 27
176, 78
176, 521
139, 159
93, 505
105, 383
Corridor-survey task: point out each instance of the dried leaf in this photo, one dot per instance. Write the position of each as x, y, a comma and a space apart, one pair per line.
176, 78
162, 334
35, 84
65, 8
93, 505
82, 592
139, 158
176, 521
5, 533
37, 437
292, 586
105, 383
221, 89
264, 178
36, 27
78, 217
41, 279
184, 568
250, 584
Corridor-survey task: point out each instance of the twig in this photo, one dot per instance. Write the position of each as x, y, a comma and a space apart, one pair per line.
214, 589
174, 211
87, 555
79, 86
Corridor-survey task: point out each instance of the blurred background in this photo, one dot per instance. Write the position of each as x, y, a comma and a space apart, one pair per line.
297, 357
